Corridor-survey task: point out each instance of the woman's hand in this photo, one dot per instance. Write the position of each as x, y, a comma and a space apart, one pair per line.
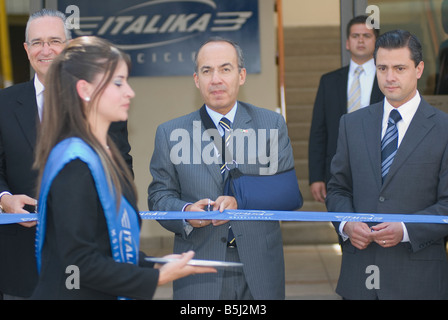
178, 269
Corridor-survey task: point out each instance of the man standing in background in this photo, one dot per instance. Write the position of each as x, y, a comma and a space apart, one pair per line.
344, 90
21, 107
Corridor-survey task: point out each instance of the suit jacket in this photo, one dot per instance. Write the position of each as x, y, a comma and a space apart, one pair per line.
417, 183
18, 130
329, 106
259, 243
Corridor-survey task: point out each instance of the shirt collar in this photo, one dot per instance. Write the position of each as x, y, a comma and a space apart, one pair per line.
406, 110
38, 86
216, 116
368, 66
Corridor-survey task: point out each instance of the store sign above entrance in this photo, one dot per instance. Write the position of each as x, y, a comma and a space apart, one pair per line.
162, 36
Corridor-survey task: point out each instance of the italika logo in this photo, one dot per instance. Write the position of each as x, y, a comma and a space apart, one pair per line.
158, 23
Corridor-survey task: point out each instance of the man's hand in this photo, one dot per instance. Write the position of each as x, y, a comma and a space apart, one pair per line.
359, 233
200, 205
15, 204
319, 191
387, 234
221, 203
179, 268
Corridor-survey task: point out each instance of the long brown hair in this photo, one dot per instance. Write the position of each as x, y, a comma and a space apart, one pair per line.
64, 114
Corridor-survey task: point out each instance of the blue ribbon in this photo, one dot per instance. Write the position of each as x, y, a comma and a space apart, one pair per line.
264, 216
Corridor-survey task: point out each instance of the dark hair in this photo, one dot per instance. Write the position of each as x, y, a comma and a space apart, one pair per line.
359, 20
65, 114
397, 39
239, 51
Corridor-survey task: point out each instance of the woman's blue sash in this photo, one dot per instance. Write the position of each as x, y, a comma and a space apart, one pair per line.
124, 228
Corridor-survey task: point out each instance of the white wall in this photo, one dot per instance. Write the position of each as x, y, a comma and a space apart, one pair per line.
311, 13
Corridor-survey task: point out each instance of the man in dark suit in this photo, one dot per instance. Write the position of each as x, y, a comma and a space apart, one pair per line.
20, 109
392, 157
333, 100
190, 185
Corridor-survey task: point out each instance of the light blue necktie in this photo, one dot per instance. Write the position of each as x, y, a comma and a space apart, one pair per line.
389, 144
354, 94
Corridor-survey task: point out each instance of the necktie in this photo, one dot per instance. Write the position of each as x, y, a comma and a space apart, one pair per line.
227, 126
354, 94
389, 144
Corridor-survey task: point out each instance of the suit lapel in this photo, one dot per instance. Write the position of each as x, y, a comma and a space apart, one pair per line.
242, 126
376, 95
341, 89
199, 143
418, 129
372, 131
241, 122
26, 113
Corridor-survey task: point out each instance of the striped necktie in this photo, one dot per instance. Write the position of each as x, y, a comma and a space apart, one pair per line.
354, 95
389, 144
226, 125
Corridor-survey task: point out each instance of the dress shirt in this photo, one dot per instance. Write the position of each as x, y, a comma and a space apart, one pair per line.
366, 80
39, 87
407, 112
216, 117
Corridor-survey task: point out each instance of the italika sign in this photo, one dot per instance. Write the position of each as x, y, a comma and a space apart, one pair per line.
162, 36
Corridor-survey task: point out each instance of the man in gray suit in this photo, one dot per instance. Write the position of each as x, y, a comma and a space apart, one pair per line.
184, 181
393, 260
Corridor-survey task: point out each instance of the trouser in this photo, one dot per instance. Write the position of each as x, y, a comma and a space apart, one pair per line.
234, 286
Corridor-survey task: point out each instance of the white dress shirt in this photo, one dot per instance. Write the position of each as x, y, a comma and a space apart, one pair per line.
366, 79
216, 117
39, 87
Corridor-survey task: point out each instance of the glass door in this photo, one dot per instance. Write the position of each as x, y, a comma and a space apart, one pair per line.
428, 20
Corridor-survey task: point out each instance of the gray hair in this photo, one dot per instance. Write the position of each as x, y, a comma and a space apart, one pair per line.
48, 13
239, 51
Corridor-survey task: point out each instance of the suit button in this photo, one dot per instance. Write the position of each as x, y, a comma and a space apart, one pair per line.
382, 199
223, 239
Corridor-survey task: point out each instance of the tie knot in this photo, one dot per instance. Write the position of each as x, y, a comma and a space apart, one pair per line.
358, 70
395, 116
225, 123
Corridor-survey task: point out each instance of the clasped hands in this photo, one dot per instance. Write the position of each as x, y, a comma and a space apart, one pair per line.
386, 234
221, 203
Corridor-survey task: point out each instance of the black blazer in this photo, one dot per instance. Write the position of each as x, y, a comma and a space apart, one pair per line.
77, 235
18, 128
329, 106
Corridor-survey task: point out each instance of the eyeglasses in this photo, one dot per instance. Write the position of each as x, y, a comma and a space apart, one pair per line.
53, 43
